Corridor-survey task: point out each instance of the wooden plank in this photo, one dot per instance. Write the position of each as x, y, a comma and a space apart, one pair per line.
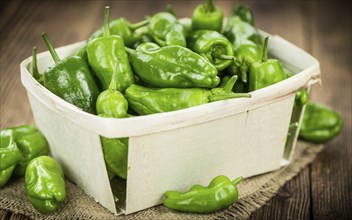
331, 172
291, 202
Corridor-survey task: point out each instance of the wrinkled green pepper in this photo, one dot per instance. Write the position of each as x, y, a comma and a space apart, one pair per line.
244, 12
23, 143
207, 17
103, 54
320, 123
45, 184
123, 28
247, 44
112, 104
219, 194
213, 46
146, 101
172, 66
167, 30
265, 73
10, 155
71, 80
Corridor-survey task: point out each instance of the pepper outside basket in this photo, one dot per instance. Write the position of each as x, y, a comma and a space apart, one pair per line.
174, 150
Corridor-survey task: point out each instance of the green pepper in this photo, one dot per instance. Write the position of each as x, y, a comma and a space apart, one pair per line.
265, 73
172, 66
34, 67
45, 184
302, 96
244, 12
103, 54
30, 144
219, 194
82, 52
320, 123
167, 30
123, 28
207, 17
146, 101
247, 44
246, 54
112, 104
213, 46
237, 31
71, 80
5, 175
10, 155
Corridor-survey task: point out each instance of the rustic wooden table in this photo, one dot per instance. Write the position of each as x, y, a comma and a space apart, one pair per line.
323, 190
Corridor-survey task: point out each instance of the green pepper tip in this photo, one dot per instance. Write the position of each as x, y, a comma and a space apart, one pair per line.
106, 21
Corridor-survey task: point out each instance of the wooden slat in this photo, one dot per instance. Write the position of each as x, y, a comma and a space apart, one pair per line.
331, 172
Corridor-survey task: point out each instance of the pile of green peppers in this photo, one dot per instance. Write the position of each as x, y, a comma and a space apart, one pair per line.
160, 65
23, 153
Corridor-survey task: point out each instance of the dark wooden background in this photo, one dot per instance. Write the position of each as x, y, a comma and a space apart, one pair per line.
323, 28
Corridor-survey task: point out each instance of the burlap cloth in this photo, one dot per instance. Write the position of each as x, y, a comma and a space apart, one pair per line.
254, 192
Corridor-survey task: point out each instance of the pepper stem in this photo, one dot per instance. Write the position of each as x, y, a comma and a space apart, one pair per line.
129, 50
237, 180
106, 21
139, 24
112, 85
35, 72
50, 47
231, 95
209, 5
170, 9
265, 50
229, 85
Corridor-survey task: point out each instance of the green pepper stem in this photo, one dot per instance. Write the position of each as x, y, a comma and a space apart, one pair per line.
237, 180
209, 5
228, 96
229, 85
170, 9
138, 25
265, 50
50, 47
35, 72
106, 21
129, 50
113, 83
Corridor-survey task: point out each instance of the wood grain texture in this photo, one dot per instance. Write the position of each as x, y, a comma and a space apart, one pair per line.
323, 28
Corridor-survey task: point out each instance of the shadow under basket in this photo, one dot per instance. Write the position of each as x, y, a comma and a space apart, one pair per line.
174, 150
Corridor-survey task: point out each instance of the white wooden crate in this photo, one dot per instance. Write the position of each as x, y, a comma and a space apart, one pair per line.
173, 150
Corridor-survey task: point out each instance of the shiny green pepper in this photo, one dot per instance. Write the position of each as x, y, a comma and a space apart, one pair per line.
172, 66
146, 101
320, 123
45, 184
10, 155
237, 31
246, 54
25, 142
104, 53
207, 17
112, 104
265, 73
123, 28
167, 30
71, 80
244, 12
213, 46
219, 194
